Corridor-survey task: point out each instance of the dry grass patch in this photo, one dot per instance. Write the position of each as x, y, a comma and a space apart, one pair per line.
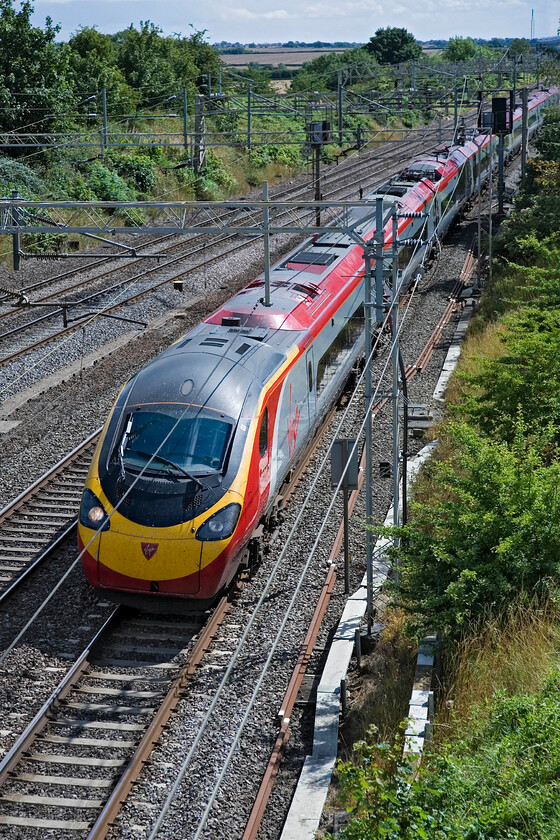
480, 344
514, 654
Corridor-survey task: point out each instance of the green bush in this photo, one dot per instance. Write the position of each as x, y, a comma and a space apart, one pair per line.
487, 531
378, 788
215, 171
19, 176
524, 381
138, 168
500, 780
106, 185
284, 154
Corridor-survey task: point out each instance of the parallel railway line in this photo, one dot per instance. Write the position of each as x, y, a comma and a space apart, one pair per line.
35, 523
341, 174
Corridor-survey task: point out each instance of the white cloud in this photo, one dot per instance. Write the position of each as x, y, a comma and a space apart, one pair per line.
344, 9
246, 14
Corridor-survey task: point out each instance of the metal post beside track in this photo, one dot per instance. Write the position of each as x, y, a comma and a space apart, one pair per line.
395, 370
16, 236
266, 241
524, 129
104, 132
501, 181
368, 303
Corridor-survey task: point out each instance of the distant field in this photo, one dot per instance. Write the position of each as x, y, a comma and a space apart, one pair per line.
277, 55
292, 58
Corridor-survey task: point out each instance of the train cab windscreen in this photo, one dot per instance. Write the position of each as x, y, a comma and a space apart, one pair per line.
174, 440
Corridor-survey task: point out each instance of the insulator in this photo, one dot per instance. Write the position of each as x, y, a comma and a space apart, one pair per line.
47, 256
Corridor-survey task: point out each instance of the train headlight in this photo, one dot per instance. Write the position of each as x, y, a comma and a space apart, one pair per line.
92, 512
220, 525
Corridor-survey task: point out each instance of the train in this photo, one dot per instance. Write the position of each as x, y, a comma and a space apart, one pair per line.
190, 464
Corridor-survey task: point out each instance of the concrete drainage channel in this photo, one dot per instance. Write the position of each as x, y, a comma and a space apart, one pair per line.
313, 786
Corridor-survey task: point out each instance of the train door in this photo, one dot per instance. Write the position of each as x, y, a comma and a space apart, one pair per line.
265, 447
311, 388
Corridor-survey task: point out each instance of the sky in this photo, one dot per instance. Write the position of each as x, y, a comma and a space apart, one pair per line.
270, 21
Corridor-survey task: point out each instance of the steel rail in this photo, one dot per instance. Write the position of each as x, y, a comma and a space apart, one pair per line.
16, 503
261, 800
157, 724
15, 754
44, 545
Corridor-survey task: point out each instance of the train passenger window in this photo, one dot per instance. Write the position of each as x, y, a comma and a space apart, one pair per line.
263, 434
339, 350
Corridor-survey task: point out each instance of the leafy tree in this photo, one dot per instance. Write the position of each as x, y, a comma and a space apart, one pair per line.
253, 76
93, 64
520, 46
158, 66
155, 66
461, 49
393, 45
203, 55
489, 530
34, 81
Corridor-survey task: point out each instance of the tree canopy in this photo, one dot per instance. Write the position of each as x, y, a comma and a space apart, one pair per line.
34, 83
43, 82
393, 45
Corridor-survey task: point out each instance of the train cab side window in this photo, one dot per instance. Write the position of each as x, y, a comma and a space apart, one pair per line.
263, 434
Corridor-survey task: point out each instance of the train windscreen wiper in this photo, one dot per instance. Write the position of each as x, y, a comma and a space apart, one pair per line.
161, 459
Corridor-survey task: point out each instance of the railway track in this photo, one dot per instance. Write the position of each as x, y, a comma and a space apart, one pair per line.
114, 700
96, 730
34, 524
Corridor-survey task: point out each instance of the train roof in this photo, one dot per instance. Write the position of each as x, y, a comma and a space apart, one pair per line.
197, 370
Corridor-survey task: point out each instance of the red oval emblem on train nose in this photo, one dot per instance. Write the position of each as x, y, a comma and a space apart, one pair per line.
149, 549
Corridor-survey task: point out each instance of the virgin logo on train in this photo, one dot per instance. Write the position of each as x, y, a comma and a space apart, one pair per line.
149, 549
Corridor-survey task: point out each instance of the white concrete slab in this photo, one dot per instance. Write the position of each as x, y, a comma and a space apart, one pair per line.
425, 660
309, 800
325, 734
8, 425
415, 727
414, 744
419, 698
